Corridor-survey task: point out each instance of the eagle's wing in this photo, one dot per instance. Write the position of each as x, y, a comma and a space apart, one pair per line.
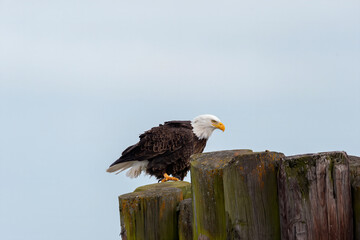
161, 140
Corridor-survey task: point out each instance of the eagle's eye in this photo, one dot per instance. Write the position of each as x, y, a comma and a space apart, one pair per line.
213, 121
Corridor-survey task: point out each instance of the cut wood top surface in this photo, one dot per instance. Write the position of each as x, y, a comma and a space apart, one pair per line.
184, 186
219, 159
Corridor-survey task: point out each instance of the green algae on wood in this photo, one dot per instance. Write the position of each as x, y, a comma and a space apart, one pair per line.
298, 170
150, 215
184, 186
315, 196
250, 193
209, 217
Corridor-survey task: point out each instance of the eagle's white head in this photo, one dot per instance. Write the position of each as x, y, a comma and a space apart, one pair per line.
204, 125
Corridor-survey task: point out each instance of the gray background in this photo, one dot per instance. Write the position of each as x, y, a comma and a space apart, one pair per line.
80, 80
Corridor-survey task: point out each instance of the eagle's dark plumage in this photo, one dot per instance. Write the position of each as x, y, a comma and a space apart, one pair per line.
166, 149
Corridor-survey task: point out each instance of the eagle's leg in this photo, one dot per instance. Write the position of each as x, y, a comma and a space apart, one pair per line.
168, 178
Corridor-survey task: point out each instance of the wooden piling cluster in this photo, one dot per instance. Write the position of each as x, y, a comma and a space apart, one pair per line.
239, 194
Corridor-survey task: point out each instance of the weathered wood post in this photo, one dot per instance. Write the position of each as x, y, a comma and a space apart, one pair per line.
209, 218
355, 189
250, 192
151, 212
185, 220
315, 197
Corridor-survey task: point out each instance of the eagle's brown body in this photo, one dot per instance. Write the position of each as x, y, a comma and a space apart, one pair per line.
167, 148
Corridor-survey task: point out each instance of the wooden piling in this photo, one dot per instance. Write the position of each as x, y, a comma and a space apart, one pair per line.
315, 197
209, 218
150, 214
250, 193
355, 190
185, 220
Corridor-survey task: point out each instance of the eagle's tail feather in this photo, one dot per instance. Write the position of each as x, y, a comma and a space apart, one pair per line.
136, 167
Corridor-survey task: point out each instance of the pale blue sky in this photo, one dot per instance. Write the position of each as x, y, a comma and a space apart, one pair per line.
80, 80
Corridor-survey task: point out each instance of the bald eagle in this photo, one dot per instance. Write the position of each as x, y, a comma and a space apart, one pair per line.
165, 150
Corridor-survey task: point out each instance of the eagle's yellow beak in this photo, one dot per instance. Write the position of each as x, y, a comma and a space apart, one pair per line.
220, 126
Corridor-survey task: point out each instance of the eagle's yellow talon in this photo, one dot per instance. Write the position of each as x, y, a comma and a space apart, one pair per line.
168, 178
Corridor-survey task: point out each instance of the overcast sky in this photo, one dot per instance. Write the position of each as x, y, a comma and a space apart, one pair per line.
80, 80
